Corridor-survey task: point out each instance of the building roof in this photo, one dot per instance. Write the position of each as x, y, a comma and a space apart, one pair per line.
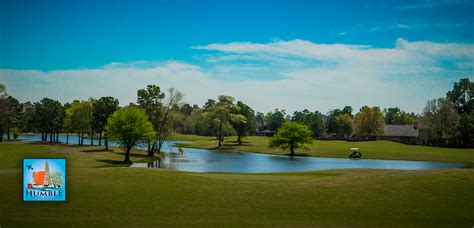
408, 130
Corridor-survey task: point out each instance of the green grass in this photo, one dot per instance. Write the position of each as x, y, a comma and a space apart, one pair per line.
334, 148
184, 137
102, 193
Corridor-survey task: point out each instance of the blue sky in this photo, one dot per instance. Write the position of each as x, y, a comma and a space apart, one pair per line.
296, 52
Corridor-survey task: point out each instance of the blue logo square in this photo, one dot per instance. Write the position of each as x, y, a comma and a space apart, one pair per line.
44, 179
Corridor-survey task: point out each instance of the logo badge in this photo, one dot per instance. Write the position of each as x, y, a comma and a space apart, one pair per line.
44, 179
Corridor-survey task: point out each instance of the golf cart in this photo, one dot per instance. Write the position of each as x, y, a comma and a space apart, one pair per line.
355, 153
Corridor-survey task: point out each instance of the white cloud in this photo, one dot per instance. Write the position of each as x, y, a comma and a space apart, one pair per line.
402, 26
303, 75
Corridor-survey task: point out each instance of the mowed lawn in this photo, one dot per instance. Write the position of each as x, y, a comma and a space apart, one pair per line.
100, 192
336, 148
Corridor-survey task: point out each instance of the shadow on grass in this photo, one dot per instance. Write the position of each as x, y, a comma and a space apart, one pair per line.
96, 150
114, 163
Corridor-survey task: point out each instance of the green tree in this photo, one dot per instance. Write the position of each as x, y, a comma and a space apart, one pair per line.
332, 125
312, 119
465, 130
79, 116
260, 120
344, 125
243, 121
102, 109
275, 119
369, 122
160, 112
291, 136
439, 119
130, 126
209, 105
397, 116
11, 115
151, 100
49, 117
462, 97
28, 117
3, 91
165, 127
221, 117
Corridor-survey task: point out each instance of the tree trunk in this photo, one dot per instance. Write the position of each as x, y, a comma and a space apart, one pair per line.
1, 135
51, 136
82, 138
220, 134
160, 144
292, 150
100, 138
92, 138
150, 150
239, 139
127, 155
67, 137
106, 141
8, 132
57, 136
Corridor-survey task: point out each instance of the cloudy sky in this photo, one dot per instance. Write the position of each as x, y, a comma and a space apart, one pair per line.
291, 55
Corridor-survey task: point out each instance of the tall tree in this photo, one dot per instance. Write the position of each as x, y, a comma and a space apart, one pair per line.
332, 125
160, 112
49, 115
102, 109
166, 122
244, 123
260, 120
151, 100
209, 105
79, 117
222, 117
369, 122
312, 119
292, 136
11, 109
462, 96
275, 119
130, 126
28, 117
344, 125
439, 118
397, 116
3, 104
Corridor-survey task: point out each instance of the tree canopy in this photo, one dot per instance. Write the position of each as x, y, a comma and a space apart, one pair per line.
130, 126
369, 122
292, 136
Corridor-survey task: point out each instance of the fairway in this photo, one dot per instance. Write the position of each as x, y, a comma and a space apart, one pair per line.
100, 192
339, 149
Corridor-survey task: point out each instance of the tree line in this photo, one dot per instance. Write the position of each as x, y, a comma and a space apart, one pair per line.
448, 121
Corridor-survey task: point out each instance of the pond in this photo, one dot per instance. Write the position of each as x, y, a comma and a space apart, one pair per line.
201, 160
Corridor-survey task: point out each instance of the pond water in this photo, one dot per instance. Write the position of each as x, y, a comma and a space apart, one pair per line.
201, 160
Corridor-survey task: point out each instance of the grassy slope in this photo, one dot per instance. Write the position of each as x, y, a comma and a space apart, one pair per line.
99, 192
333, 148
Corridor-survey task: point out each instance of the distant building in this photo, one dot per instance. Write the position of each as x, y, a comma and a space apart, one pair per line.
409, 134
264, 133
